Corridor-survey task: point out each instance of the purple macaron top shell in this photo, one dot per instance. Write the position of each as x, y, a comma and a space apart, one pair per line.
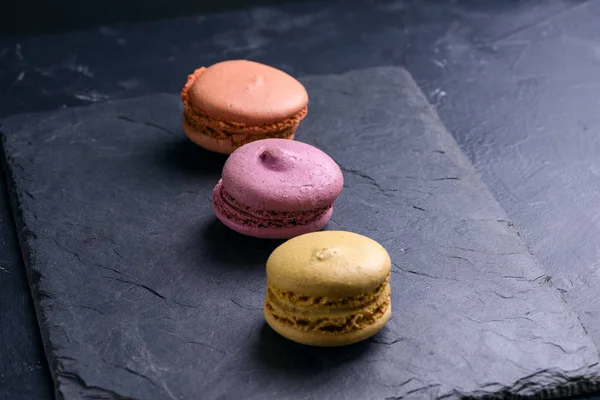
282, 175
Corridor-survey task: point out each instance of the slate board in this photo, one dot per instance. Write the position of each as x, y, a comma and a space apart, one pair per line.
23, 370
143, 294
529, 121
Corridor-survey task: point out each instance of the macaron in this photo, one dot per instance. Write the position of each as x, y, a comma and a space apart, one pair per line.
328, 288
277, 189
235, 102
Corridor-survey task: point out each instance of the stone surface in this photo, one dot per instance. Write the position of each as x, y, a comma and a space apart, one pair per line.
498, 72
526, 115
23, 369
144, 294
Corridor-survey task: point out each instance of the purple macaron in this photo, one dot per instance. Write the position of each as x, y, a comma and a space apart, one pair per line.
277, 188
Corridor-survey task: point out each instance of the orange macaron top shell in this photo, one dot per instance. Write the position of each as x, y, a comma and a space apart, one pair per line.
247, 92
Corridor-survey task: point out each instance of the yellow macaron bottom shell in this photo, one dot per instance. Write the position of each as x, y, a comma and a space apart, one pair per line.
326, 319
317, 338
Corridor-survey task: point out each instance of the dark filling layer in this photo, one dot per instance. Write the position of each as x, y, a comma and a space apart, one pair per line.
335, 325
331, 302
235, 137
232, 209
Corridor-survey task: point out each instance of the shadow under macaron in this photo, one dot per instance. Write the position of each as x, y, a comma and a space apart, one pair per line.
228, 249
283, 355
183, 156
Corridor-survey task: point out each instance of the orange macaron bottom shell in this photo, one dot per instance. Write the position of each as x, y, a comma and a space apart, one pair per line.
223, 136
266, 224
205, 138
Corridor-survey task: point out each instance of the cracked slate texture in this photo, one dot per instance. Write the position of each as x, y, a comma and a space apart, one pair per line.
143, 294
515, 82
23, 369
532, 133
498, 72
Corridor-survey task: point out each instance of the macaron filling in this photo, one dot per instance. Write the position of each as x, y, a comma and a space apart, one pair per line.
332, 320
230, 208
198, 123
221, 129
327, 301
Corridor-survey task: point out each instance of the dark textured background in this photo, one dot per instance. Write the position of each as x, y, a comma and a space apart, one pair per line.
499, 72
34, 17
146, 295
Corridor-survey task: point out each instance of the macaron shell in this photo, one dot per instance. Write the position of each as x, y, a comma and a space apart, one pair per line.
319, 339
248, 92
224, 136
282, 175
329, 263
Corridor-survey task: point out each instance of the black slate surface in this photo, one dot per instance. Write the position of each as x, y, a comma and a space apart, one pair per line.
497, 72
527, 117
23, 368
144, 295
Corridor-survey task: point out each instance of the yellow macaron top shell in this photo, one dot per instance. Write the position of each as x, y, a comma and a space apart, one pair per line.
329, 263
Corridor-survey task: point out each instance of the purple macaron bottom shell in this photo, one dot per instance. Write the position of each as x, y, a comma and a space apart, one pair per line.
266, 224
276, 233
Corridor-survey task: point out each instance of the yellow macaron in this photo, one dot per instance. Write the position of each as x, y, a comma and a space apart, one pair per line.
328, 288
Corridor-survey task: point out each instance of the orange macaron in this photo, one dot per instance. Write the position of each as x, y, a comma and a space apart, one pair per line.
235, 102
